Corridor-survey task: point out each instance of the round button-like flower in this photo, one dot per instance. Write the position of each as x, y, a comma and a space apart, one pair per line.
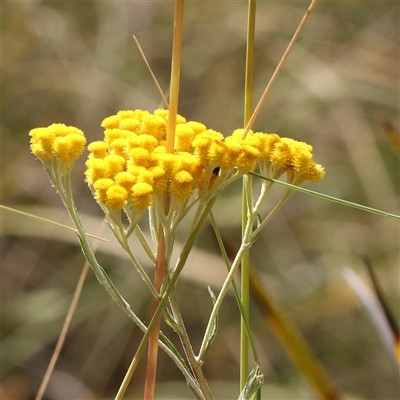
111, 122
115, 197
140, 157
155, 126
100, 188
97, 169
315, 173
65, 143
160, 180
181, 186
184, 136
97, 149
142, 195
246, 162
119, 147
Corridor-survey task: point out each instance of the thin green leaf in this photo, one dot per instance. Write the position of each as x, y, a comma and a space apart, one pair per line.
327, 197
214, 329
235, 288
48, 221
174, 350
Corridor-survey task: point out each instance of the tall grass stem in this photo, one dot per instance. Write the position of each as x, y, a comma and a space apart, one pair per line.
246, 198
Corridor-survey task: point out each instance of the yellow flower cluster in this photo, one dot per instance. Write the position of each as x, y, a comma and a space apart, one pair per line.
64, 143
131, 163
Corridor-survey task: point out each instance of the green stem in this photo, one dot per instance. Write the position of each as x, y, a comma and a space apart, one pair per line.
235, 265
188, 245
246, 198
107, 283
124, 244
235, 288
145, 244
102, 277
187, 346
281, 202
115, 224
248, 238
152, 355
278, 69
251, 26
244, 287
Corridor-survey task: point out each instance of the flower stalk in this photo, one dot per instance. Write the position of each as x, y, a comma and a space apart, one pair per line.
246, 199
194, 363
161, 261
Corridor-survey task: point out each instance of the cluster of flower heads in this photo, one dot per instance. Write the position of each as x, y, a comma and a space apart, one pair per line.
57, 142
132, 165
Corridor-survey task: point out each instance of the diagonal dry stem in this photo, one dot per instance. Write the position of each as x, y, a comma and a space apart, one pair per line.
161, 262
68, 319
151, 72
278, 69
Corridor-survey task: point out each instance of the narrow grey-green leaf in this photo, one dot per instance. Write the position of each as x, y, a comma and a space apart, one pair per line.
253, 385
214, 328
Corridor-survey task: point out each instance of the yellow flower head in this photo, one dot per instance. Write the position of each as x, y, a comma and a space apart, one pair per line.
146, 142
315, 173
141, 196
136, 170
164, 114
139, 157
247, 161
112, 134
188, 162
280, 155
111, 122
253, 140
115, 197
159, 179
267, 143
125, 114
146, 176
69, 148
65, 143
130, 124
119, 147
168, 162
233, 149
301, 159
100, 188
115, 164
181, 185
97, 149
202, 143
41, 142
184, 136
155, 126
197, 127
217, 152
126, 180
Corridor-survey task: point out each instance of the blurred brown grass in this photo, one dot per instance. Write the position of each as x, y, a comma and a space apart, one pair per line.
76, 62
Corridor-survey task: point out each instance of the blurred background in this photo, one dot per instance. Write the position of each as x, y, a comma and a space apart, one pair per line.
77, 63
